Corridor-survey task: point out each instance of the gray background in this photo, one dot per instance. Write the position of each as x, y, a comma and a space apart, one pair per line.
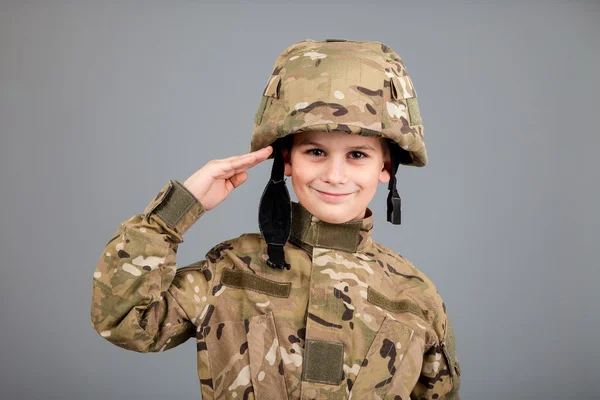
102, 102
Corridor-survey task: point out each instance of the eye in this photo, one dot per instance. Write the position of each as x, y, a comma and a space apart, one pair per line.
315, 152
357, 155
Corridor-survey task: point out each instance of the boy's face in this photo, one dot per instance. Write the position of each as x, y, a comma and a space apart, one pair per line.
335, 174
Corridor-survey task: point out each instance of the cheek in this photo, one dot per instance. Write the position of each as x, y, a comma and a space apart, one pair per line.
304, 171
367, 176
297, 177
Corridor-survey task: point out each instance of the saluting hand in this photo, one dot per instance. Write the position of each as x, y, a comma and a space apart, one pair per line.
212, 183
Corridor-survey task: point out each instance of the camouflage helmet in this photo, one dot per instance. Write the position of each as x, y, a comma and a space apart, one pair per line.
341, 85
357, 87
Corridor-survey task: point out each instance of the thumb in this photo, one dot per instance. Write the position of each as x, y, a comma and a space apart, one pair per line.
237, 179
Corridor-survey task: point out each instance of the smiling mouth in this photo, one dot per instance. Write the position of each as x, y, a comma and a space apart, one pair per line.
333, 194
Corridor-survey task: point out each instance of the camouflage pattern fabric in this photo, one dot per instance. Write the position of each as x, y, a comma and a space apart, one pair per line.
342, 85
351, 319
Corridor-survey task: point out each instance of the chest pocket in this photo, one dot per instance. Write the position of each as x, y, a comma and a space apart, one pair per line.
244, 358
247, 280
383, 359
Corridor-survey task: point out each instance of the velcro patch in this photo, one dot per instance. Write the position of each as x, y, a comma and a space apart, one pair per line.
158, 199
449, 350
395, 306
261, 110
175, 204
323, 362
247, 280
413, 111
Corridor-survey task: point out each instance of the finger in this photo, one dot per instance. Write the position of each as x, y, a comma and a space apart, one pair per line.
261, 152
236, 164
237, 179
257, 156
226, 169
268, 150
249, 164
243, 163
252, 159
260, 155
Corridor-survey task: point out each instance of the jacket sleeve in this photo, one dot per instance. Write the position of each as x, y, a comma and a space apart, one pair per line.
140, 300
440, 373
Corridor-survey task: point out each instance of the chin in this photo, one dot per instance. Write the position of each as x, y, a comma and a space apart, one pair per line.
330, 212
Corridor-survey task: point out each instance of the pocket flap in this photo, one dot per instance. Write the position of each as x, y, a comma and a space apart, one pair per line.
272, 88
402, 87
383, 360
247, 280
395, 306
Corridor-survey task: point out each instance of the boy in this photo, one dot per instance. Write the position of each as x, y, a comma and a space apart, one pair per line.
312, 307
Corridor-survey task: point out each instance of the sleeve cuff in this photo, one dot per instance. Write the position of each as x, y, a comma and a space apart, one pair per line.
176, 206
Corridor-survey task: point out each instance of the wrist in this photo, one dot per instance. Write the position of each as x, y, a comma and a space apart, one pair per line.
176, 206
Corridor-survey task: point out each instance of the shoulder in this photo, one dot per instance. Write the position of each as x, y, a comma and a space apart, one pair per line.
246, 245
400, 268
248, 248
403, 279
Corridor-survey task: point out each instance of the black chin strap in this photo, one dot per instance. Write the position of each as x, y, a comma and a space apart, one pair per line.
275, 212
394, 204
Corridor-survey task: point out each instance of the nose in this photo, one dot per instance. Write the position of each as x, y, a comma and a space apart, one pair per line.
335, 171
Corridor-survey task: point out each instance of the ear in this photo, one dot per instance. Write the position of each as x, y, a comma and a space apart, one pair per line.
287, 161
384, 174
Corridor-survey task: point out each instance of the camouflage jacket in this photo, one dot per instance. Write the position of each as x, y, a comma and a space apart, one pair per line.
351, 319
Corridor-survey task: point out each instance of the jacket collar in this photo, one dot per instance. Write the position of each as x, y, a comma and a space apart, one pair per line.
308, 231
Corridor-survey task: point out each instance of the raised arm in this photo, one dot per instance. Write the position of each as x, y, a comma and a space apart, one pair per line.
137, 304
140, 300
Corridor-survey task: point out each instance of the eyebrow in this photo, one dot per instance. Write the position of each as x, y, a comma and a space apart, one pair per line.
307, 142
